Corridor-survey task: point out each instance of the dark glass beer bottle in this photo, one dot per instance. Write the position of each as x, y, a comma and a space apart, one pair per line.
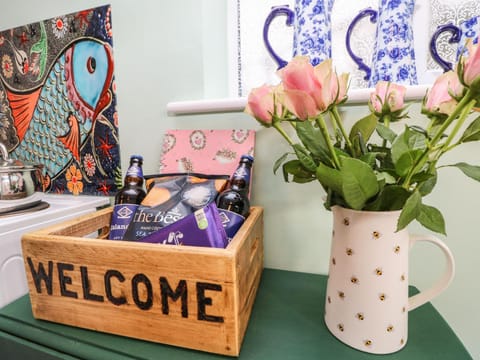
127, 199
233, 203
132, 191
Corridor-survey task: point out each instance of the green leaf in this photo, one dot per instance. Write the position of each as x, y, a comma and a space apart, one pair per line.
427, 186
391, 197
302, 180
407, 141
361, 132
329, 178
410, 211
295, 168
369, 158
365, 126
304, 157
334, 198
418, 129
359, 182
339, 153
384, 158
471, 171
359, 146
386, 177
290, 167
431, 218
472, 132
312, 139
406, 161
386, 133
421, 177
279, 162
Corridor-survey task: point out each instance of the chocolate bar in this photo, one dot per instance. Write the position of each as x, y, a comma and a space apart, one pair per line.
201, 228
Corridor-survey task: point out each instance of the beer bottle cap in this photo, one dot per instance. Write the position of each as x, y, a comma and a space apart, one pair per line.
248, 157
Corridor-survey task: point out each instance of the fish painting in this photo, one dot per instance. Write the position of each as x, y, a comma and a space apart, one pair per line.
58, 92
53, 120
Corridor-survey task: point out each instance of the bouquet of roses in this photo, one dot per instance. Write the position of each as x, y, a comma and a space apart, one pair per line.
370, 166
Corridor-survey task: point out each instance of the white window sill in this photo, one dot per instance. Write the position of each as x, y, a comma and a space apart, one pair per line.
190, 107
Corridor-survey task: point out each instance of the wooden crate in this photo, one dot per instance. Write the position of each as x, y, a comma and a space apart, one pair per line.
193, 297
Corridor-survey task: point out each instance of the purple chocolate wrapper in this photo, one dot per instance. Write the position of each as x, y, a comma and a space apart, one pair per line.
231, 222
201, 228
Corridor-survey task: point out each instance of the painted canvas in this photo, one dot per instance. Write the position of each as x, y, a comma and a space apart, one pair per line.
58, 102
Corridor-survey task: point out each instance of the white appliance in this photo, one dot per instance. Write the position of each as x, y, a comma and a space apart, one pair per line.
13, 281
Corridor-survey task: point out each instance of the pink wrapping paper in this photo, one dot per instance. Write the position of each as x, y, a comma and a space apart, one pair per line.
205, 151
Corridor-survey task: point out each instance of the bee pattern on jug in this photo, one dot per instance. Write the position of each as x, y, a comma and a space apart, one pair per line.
367, 305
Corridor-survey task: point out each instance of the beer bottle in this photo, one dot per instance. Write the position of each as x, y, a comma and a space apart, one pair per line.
132, 191
233, 203
127, 199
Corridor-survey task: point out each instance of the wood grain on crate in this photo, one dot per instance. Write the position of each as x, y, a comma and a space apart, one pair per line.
194, 297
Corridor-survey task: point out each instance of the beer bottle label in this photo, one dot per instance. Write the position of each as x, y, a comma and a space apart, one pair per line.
242, 172
134, 171
122, 215
231, 222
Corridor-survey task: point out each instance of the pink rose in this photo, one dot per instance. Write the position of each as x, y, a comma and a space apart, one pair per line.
471, 64
438, 99
334, 88
299, 75
311, 90
261, 104
343, 87
302, 88
387, 94
300, 104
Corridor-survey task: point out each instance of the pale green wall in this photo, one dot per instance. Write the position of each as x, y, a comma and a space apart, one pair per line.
176, 50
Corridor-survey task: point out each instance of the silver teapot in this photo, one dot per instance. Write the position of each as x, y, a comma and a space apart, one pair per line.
18, 180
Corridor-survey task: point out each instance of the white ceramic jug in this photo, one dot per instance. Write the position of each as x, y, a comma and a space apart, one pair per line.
367, 300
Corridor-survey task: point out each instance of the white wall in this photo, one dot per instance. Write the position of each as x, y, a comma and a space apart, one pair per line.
176, 50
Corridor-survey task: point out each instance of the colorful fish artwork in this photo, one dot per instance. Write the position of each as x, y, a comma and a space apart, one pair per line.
58, 101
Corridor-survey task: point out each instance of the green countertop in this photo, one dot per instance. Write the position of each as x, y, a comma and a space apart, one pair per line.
286, 323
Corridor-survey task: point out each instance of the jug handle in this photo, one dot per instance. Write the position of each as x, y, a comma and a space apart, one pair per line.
358, 60
447, 277
454, 39
276, 11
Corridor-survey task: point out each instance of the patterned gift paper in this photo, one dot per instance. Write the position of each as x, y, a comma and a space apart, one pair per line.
58, 102
205, 151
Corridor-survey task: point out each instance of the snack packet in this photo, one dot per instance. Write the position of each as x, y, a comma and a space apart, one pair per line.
201, 228
171, 197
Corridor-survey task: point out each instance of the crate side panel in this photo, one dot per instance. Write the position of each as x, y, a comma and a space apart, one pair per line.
249, 266
166, 295
192, 262
82, 225
151, 325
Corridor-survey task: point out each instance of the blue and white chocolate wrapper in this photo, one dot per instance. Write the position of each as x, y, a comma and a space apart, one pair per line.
201, 228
